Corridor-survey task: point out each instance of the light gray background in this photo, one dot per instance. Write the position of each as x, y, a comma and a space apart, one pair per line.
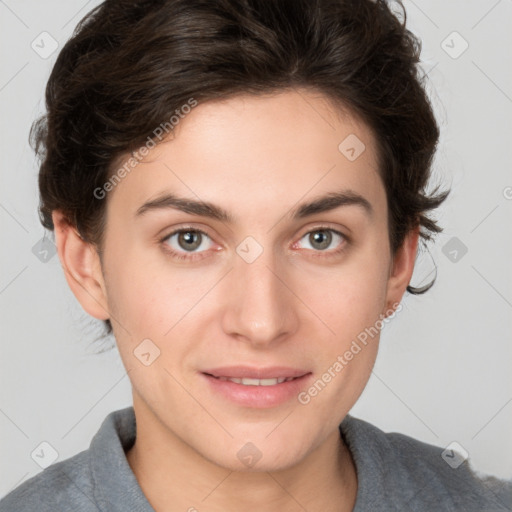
443, 371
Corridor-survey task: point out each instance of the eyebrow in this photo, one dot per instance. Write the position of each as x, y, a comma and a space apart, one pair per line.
320, 204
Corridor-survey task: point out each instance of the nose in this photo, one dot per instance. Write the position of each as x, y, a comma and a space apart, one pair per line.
260, 308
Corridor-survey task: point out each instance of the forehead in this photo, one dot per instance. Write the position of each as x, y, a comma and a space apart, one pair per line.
257, 151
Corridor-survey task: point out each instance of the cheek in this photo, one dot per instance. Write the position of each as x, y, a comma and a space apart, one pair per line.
349, 298
144, 296
350, 305
351, 311
151, 301
349, 301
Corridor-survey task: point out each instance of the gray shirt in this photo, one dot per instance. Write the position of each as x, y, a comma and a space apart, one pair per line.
395, 473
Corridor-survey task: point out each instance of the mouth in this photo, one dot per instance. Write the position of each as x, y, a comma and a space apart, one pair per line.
247, 381
256, 387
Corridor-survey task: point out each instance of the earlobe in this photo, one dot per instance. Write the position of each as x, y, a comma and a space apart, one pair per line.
82, 268
402, 267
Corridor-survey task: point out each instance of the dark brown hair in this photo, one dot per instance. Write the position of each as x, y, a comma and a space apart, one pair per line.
130, 65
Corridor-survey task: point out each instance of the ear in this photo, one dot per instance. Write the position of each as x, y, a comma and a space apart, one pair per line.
82, 268
401, 268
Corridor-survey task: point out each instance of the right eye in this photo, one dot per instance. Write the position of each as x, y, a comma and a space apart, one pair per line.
186, 240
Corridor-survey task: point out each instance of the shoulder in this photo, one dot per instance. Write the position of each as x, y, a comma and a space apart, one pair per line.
98, 478
65, 485
446, 475
409, 473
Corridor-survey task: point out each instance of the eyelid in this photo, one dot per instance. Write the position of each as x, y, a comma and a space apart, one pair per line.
326, 226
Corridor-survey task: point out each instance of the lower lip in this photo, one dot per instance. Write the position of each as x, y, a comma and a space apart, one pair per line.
258, 396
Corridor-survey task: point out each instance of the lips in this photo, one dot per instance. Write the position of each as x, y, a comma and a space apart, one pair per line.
262, 388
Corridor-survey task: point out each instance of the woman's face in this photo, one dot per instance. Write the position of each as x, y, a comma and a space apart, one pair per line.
271, 290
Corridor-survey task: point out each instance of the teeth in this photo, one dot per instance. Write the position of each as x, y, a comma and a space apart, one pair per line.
258, 382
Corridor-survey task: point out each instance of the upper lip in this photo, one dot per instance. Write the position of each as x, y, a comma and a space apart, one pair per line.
250, 372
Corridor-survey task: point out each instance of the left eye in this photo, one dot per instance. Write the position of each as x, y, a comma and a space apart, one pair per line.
321, 239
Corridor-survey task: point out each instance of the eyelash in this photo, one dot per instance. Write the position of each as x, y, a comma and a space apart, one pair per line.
196, 256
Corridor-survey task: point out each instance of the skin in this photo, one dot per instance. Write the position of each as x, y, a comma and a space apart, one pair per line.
296, 305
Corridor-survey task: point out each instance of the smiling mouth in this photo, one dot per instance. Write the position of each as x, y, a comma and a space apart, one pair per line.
257, 388
245, 381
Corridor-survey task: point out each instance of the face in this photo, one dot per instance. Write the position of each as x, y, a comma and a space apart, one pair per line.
268, 290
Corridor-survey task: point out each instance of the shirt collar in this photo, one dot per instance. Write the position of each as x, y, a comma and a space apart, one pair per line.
115, 487
361, 439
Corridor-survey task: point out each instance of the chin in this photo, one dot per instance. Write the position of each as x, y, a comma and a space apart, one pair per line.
248, 458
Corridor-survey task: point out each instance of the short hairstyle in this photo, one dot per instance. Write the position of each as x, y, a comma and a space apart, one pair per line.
130, 65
